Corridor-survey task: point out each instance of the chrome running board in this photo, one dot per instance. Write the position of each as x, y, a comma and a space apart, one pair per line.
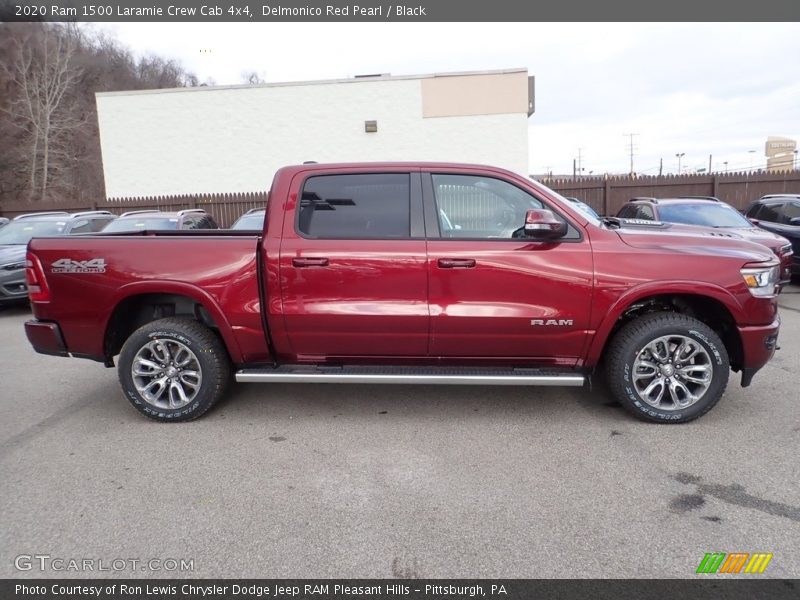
411, 375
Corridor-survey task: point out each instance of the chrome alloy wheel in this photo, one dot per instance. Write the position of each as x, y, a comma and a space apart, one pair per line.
672, 372
166, 374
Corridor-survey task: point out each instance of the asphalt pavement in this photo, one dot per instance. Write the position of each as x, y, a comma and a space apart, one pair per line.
391, 481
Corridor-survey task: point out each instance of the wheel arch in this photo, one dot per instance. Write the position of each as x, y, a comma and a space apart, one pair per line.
138, 304
710, 304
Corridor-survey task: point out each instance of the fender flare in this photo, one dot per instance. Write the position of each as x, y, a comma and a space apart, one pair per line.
200, 296
656, 288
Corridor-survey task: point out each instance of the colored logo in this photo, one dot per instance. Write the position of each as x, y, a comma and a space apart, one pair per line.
735, 562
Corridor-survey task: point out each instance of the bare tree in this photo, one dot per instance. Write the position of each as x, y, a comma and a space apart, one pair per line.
43, 74
34, 57
252, 77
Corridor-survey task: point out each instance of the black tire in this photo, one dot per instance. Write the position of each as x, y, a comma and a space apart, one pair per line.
210, 355
634, 336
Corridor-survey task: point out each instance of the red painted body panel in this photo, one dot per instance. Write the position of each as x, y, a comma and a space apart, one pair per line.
389, 301
489, 310
217, 272
368, 290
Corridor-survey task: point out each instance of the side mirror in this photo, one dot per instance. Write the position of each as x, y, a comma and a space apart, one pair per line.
542, 224
794, 221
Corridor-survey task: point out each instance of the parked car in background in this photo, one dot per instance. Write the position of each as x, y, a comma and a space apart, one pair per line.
252, 220
156, 220
780, 214
15, 236
583, 206
3, 222
711, 212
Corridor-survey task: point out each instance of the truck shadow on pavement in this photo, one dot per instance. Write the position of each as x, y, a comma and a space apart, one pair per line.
356, 401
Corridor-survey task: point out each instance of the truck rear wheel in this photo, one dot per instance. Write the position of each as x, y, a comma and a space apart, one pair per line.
667, 368
173, 369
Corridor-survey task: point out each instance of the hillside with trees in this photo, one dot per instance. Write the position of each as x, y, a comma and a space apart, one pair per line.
49, 73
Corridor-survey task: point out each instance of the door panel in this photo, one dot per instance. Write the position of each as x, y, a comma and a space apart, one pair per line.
502, 297
355, 297
490, 309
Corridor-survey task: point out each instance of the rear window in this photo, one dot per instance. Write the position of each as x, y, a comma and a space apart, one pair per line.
362, 206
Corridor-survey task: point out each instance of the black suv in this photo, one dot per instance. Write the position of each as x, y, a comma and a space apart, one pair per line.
15, 236
779, 213
156, 220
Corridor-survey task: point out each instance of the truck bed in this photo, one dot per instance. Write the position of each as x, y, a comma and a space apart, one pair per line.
101, 275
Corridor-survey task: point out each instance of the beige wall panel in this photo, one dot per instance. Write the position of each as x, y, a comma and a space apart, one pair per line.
491, 94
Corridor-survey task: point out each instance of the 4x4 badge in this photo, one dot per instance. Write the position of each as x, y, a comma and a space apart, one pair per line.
67, 265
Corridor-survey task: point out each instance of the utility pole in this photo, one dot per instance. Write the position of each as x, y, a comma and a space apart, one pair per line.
580, 163
573, 168
679, 156
709, 164
726, 165
660, 166
631, 147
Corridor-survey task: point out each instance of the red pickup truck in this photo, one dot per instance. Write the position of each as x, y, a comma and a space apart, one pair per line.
420, 273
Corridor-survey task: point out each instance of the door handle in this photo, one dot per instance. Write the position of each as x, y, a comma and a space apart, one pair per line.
309, 262
456, 263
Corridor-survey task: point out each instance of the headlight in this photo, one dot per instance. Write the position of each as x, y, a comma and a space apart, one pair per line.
761, 281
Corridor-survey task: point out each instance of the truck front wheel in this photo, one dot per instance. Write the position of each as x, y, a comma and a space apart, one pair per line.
173, 369
667, 367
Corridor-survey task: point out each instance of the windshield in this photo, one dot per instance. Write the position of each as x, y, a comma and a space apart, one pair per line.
585, 208
21, 232
710, 215
150, 224
253, 222
593, 219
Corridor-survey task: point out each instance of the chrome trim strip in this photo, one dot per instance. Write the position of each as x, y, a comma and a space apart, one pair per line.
258, 376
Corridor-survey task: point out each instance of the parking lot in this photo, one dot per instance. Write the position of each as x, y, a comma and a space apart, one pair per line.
395, 481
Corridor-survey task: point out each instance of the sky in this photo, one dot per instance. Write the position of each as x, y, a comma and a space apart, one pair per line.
696, 89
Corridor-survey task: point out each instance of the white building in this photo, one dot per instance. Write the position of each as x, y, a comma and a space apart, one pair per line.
233, 138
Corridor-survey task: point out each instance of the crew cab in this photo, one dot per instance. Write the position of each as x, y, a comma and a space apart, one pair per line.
421, 273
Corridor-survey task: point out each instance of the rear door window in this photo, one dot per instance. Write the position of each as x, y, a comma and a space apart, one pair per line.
81, 226
98, 224
770, 212
357, 206
791, 210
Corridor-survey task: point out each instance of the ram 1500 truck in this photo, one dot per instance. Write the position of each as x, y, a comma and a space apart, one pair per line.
422, 273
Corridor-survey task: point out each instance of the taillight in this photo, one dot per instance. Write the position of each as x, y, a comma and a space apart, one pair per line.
34, 277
